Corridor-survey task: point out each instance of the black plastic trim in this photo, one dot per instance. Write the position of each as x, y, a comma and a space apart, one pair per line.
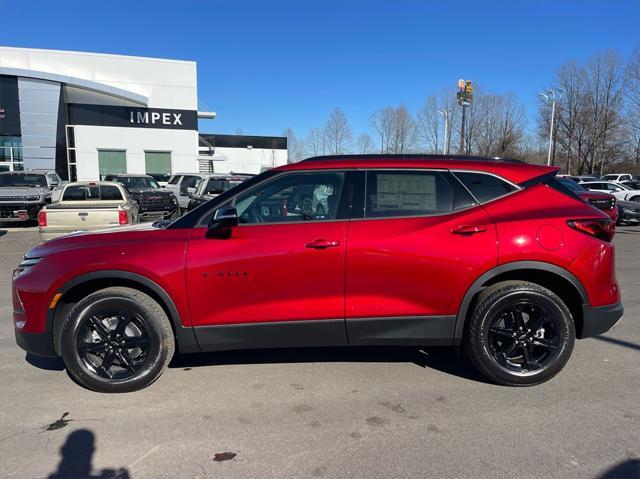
600, 319
184, 335
479, 283
277, 334
39, 344
401, 331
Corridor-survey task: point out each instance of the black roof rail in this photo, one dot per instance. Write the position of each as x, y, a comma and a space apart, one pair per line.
415, 156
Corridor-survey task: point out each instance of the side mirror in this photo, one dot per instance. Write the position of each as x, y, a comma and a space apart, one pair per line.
184, 190
222, 223
191, 191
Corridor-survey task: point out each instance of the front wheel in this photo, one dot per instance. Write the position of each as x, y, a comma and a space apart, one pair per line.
116, 340
520, 334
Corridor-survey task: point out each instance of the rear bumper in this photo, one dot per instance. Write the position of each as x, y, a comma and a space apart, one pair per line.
599, 320
38, 344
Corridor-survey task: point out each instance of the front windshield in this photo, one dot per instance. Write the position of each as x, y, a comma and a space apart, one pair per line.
572, 185
22, 179
133, 182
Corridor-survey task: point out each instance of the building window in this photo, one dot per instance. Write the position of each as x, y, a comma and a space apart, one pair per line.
11, 153
158, 164
112, 162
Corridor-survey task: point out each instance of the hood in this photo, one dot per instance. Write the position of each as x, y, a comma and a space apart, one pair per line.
117, 234
17, 191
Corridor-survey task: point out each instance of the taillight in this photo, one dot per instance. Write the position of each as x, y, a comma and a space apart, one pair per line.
601, 229
42, 218
123, 219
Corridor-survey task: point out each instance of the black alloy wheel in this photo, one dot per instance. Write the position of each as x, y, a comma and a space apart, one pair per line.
524, 337
116, 340
520, 333
114, 345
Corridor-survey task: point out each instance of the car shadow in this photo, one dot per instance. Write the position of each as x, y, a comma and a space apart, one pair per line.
446, 360
624, 470
77, 457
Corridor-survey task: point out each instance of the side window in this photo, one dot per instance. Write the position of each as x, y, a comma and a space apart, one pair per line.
190, 181
174, 180
293, 197
483, 186
407, 193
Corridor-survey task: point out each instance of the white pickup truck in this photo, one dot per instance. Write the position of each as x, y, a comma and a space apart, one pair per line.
86, 206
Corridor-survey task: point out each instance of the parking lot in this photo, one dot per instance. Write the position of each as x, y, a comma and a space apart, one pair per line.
327, 413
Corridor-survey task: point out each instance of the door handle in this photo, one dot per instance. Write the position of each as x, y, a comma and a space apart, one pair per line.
322, 244
468, 230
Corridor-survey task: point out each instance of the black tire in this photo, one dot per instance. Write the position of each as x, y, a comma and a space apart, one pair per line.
122, 328
520, 334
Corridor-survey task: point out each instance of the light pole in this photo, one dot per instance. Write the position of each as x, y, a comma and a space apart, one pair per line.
445, 144
553, 97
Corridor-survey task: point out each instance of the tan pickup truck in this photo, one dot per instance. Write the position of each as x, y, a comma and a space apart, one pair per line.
86, 206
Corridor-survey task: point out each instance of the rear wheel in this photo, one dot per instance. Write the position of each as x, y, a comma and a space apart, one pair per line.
520, 334
116, 340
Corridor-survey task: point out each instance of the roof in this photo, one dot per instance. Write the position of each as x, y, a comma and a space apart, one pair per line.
137, 175
513, 170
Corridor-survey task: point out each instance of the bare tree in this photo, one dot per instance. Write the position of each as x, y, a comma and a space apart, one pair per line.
316, 143
338, 133
428, 125
632, 83
382, 122
294, 148
364, 144
403, 134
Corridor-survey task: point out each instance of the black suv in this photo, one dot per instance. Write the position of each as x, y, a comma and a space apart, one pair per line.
154, 202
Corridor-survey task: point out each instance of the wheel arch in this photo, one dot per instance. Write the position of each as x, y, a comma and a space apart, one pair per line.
82, 285
555, 278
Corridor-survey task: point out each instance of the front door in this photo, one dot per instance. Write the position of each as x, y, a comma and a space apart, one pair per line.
279, 279
412, 257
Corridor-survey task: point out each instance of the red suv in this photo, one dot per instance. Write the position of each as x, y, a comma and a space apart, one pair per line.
492, 255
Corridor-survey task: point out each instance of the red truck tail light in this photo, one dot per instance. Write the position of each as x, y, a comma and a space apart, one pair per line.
123, 219
42, 218
601, 229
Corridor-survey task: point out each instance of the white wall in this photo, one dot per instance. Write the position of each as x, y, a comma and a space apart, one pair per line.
247, 160
183, 145
166, 83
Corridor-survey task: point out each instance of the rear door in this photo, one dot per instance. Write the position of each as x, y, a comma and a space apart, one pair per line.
412, 255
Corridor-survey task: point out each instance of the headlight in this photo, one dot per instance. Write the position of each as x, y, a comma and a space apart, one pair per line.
33, 198
24, 266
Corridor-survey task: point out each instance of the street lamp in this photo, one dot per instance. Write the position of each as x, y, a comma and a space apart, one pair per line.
551, 97
445, 145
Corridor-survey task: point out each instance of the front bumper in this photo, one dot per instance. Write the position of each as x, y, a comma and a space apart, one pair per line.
599, 320
19, 211
38, 344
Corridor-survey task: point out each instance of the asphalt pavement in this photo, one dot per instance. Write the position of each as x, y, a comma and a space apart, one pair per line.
335, 413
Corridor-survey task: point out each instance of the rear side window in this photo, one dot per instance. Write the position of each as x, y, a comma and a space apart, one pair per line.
485, 187
407, 193
174, 180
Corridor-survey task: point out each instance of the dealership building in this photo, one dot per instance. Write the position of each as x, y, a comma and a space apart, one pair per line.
86, 115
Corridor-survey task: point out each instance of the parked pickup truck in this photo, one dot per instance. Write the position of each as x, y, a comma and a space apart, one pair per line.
154, 202
86, 206
212, 186
24, 193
